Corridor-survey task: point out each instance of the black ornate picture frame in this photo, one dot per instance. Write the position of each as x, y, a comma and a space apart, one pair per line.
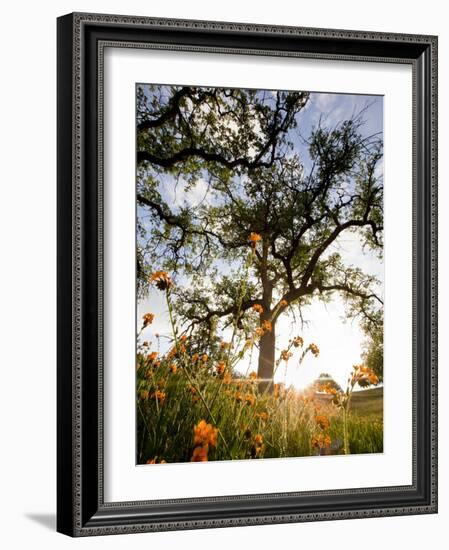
81, 509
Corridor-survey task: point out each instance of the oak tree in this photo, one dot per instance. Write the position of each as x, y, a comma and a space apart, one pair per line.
257, 173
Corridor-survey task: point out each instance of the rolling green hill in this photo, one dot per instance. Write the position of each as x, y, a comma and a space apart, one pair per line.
363, 403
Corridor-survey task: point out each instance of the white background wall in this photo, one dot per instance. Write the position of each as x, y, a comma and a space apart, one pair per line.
27, 275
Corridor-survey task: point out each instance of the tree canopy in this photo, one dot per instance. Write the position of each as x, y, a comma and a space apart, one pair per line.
373, 353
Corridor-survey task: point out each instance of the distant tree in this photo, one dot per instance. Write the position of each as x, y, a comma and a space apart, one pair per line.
373, 353
242, 146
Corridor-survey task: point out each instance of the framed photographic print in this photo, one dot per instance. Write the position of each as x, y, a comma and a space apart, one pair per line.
246, 274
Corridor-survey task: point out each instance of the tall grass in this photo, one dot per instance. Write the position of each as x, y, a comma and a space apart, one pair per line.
192, 405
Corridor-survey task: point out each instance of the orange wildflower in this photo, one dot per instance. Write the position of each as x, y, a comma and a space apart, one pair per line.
267, 326
148, 318
173, 368
195, 357
258, 308
314, 349
152, 357
283, 303
285, 354
258, 448
298, 342
364, 376
220, 368
205, 434
250, 399
253, 375
254, 238
161, 279
159, 396
327, 388
227, 378
204, 357
199, 454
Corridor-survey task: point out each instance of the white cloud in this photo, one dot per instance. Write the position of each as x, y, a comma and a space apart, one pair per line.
323, 101
350, 246
178, 195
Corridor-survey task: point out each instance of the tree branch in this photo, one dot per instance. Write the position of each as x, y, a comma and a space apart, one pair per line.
171, 112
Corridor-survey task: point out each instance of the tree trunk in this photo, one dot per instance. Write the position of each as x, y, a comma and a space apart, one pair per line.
267, 341
266, 360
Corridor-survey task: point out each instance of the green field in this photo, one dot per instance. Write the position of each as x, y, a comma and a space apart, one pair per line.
365, 421
368, 402
363, 403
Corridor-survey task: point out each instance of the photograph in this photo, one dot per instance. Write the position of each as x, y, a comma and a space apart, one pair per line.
259, 274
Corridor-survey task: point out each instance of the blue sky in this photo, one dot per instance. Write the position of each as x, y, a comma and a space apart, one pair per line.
339, 342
